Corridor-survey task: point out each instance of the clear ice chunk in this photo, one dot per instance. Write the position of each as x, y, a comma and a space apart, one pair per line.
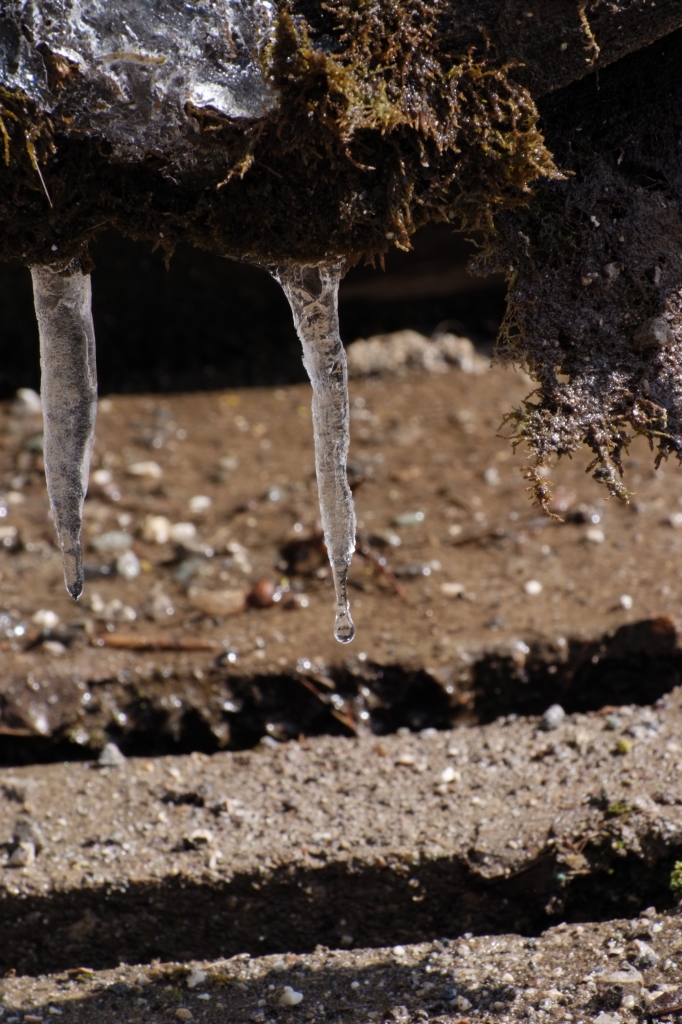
312, 292
63, 301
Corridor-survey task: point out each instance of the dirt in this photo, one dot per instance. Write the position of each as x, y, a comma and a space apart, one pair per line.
449, 632
569, 973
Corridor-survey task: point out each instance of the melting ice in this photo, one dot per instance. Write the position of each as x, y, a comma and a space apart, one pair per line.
312, 292
69, 398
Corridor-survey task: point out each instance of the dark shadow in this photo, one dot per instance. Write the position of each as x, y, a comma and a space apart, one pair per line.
294, 910
206, 322
638, 664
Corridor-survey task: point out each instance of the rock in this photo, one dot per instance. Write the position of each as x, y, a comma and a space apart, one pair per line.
114, 542
27, 831
641, 954
290, 997
627, 982
653, 333
156, 530
151, 470
110, 756
553, 718
22, 856
183, 533
532, 587
45, 618
27, 403
200, 503
128, 565
218, 602
196, 977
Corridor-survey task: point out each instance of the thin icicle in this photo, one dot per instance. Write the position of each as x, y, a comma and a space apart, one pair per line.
62, 300
313, 296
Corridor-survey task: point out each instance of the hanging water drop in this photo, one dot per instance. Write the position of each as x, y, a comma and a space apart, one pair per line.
312, 292
63, 300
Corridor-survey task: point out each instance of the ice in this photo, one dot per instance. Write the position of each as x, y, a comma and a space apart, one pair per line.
69, 398
312, 292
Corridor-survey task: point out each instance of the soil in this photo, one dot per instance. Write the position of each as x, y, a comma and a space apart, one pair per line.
451, 627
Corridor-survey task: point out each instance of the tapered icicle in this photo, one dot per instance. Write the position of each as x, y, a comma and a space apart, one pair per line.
62, 300
313, 296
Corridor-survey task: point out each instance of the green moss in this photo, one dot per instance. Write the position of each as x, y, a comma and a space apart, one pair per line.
379, 128
676, 880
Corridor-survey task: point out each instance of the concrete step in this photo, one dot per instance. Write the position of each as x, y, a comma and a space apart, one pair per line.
609, 973
342, 842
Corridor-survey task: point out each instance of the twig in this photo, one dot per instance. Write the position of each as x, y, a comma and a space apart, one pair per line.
154, 643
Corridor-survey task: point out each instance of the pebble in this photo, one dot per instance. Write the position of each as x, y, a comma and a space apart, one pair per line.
290, 997
218, 602
54, 648
449, 774
553, 718
110, 756
114, 542
128, 565
182, 1013
629, 981
156, 530
532, 587
626, 602
45, 618
409, 519
22, 856
675, 520
196, 977
200, 503
613, 722
452, 589
653, 333
462, 1004
492, 476
26, 831
183, 533
102, 477
594, 535
151, 470
9, 536
27, 403
388, 538
642, 954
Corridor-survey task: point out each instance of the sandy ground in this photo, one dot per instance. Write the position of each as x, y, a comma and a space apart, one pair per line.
208, 503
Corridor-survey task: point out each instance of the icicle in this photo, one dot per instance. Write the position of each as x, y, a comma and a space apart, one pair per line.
313, 296
62, 300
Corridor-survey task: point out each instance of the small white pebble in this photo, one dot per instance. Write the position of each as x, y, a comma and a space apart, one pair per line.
45, 618
449, 774
399, 950
532, 587
151, 470
290, 997
625, 602
156, 530
553, 717
128, 565
492, 476
355, 984
507, 979
180, 533
195, 977
675, 520
594, 535
204, 995
451, 589
200, 503
102, 477
462, 1004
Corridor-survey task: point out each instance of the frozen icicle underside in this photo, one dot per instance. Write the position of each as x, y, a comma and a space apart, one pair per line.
312, 292
69, 398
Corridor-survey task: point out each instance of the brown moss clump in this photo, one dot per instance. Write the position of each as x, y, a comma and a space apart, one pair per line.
378, 129
595, 298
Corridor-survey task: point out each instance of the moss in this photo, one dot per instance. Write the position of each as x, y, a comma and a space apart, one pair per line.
591, 262
676, 880
379, 129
